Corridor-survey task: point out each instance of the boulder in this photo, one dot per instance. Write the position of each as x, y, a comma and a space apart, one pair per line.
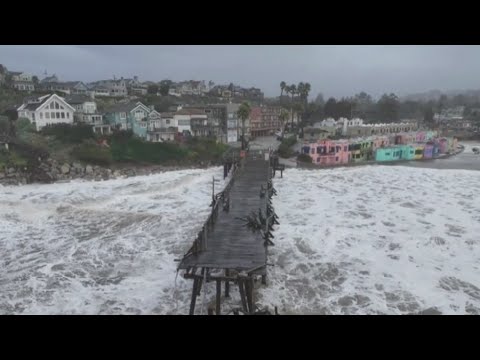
65, 169
88, 169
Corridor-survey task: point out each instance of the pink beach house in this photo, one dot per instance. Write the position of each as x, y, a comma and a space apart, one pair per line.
443, 145
327, 152
420, 136
380, 141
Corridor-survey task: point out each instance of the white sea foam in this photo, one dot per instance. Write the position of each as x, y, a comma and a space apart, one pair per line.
100, 247
376, 239
361, 240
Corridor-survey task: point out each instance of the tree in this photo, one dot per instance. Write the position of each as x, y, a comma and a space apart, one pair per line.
303, 90
293, 91
459, 100
330, 109
153, 89
243, 113
364, 105
442, 103
411, 109
8, 79
283, 85
313, 113
24, 124
319, 100
165, 87
428, 117
283, 117
5, 127
388, 106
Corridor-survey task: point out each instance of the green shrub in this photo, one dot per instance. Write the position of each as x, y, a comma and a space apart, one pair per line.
137, 150
304, 158
23, 126
206, 149
285, 148
89, 152
68, 133
12, 159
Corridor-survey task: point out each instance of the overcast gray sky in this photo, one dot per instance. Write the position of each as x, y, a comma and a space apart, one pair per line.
333, 70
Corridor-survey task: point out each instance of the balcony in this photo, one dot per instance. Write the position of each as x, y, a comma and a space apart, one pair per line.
164, 130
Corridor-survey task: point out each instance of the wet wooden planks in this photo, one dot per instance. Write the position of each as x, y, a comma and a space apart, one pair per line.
231, 245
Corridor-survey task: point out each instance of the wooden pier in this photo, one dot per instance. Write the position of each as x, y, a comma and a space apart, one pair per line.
232, 247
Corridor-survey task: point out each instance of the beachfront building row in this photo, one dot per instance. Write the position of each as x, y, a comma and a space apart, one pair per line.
393, 147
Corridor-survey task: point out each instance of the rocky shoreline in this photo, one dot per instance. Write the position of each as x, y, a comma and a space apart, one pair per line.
52, 171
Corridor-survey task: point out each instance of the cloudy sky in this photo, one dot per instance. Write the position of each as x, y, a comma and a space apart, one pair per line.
333, 70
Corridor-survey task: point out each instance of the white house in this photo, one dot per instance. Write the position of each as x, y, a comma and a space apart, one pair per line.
22, 81
182, 119
349, 123
329, 122
86, 112
45, 110
161, 127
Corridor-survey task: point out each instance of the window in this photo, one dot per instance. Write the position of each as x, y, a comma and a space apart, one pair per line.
387, 154
63, 115
61, 107
47, 115
57, 106
58, 115
68, 115
52, 115
318, 160
33, 116
336, 158
312, 151
41, 115
123, 115
167, 122
52, 106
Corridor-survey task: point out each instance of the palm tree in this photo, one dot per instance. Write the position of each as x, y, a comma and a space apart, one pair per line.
283, 85
283, 117
300, 89
293, 91
243, 113
304, 91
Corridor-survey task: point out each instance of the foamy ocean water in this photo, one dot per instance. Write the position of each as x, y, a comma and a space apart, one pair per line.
376, 240
363, 240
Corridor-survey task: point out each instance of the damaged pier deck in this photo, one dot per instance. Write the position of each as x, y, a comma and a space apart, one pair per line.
232, 247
